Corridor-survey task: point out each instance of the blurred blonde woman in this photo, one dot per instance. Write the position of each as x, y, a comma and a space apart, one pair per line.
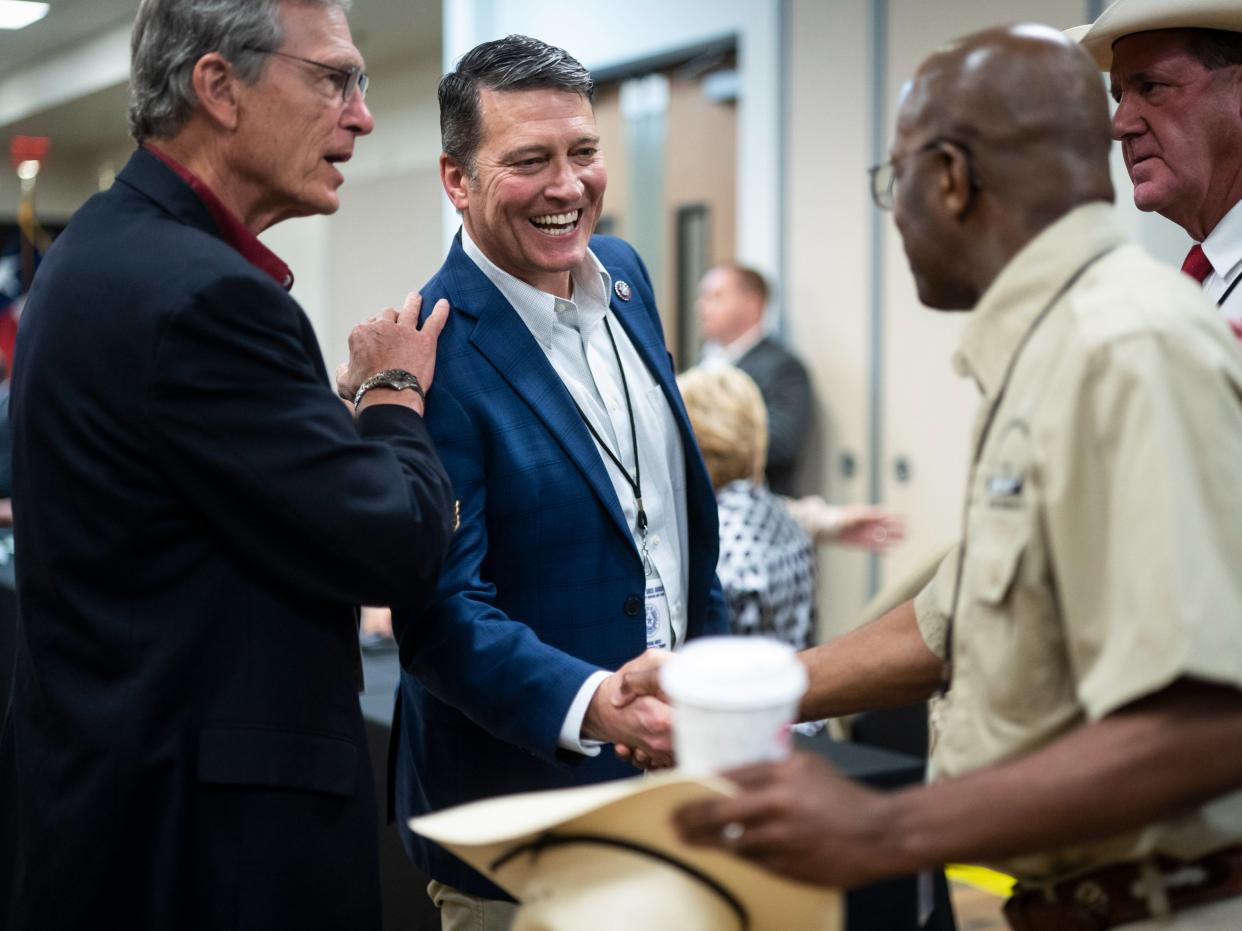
767, 561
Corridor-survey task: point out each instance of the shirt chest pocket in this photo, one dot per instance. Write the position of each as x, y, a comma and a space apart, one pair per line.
995, 556
1011, 638
1001, 526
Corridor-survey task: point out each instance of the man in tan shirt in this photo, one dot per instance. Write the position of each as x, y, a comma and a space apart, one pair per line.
1087, 642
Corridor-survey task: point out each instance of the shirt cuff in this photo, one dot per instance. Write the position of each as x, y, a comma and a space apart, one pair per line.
933, 605
571, 731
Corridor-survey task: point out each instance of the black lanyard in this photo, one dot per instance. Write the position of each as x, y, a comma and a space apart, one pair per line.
636, 483
947, 679
1229, 290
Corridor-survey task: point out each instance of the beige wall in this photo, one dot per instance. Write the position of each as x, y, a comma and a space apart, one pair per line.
828, 288
925, 409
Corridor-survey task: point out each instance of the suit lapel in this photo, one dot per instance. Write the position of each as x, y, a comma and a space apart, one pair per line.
504, 340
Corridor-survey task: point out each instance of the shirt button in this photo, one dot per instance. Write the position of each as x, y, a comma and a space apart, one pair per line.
633, 605
655, 540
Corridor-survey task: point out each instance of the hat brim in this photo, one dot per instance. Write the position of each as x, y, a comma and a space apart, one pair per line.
1126, 17
637, 812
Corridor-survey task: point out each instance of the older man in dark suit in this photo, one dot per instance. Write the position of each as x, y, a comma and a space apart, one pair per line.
197, 513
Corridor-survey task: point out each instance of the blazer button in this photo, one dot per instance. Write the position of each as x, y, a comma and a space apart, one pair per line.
633, 605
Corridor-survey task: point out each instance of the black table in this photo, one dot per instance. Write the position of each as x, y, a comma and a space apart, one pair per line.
403, 885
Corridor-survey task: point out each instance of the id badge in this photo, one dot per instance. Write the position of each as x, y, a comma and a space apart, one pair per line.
658, 625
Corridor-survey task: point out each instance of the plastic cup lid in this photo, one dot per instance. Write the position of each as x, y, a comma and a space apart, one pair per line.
734, 673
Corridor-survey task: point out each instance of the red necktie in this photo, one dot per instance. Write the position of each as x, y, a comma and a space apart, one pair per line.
1197, 265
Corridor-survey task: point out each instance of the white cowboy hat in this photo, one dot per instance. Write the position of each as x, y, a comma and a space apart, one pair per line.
1126, 17
606, 858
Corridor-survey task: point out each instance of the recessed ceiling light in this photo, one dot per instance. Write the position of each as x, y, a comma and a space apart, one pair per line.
18, 14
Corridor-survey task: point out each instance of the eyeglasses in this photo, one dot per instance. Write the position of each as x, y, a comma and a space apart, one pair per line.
884, 177
351, 79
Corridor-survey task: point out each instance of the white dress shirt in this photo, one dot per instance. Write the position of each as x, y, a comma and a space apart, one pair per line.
571, 333
716, 354
1223, 248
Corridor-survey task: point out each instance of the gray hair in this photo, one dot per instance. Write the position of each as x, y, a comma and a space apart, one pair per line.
514, 63
169, 38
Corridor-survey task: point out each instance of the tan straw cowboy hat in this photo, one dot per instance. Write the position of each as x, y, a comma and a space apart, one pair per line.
606, 858
1126, 17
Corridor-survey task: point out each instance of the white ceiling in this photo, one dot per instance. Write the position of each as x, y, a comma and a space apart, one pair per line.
386, 31
68, 23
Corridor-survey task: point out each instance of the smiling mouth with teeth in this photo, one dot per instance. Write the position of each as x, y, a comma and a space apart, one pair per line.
557, 224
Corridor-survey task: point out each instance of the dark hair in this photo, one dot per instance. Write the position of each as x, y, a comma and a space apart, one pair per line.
749, 280
1215, 48
514, 63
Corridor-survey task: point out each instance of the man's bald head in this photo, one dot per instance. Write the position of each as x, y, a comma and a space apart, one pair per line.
1015, 125
1028, 102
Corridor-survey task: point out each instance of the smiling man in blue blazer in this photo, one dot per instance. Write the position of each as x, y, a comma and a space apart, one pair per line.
588, 525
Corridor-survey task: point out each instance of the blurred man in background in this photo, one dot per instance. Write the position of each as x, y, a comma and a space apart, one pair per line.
731, 305
732, 301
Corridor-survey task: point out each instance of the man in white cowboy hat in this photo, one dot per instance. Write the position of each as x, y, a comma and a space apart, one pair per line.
1176, 69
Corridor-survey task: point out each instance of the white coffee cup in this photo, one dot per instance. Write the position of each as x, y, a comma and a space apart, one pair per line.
733, 701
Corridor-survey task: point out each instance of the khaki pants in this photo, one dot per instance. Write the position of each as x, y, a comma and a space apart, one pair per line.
461, 911
1218, 916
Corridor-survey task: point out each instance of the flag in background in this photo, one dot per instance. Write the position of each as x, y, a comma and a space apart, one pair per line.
21, 250
13, 287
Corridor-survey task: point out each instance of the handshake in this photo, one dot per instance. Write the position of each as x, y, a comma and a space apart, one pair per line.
731, 700
631, 711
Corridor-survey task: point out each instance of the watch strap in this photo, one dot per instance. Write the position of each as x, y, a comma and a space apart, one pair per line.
397, 379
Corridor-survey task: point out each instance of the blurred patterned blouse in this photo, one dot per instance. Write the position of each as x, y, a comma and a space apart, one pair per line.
767, 566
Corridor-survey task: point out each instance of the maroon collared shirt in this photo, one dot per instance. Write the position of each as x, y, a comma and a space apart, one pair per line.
231, 228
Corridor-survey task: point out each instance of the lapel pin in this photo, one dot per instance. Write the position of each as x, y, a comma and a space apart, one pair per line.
623, 290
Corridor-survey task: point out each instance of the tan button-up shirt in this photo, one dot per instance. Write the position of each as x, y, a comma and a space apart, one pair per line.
1103, 526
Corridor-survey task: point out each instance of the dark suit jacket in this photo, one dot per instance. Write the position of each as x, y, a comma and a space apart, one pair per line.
786, 390
196, 515
543, 584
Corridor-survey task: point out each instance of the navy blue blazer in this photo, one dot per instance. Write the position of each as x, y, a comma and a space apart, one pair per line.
196, 515
543, 585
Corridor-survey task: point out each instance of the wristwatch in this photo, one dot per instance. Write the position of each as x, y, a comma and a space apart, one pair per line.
397, 379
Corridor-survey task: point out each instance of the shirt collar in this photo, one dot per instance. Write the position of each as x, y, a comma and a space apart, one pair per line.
714, 354
1223, 246
744, 343
995, 329
541, 311
230, 227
